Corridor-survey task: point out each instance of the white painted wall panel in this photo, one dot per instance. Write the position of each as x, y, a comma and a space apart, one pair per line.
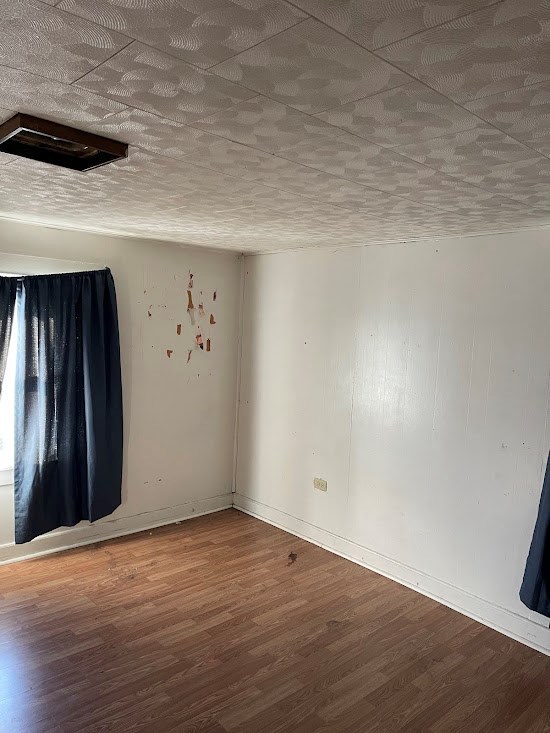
296, 382
179, 417
421, 396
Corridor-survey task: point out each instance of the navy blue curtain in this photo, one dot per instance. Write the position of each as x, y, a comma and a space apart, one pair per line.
535, 589
68, 413
8, 288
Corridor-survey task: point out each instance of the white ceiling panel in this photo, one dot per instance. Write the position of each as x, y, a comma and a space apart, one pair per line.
468, 152
400, 116
525, 181
261, 125
312, 68
522, 113
151, 132
203, 33
155, 82
52, 43
32, 94
355, 159
267, 125
5, 114
237, 160
505, 46
377, 23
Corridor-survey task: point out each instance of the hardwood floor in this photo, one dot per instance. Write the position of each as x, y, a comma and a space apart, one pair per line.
210, 626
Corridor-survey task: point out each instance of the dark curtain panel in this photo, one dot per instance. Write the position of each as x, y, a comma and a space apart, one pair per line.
8, 289
68, 412
535, 589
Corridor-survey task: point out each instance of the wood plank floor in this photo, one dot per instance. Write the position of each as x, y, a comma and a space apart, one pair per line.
210, 626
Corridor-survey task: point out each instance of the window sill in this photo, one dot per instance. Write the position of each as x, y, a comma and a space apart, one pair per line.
6, 477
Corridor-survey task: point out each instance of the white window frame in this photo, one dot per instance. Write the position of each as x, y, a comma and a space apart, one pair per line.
6, 475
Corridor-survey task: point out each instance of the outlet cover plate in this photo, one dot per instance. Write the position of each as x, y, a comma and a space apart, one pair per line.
320, 484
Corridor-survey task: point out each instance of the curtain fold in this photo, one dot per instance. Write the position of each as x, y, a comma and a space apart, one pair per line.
68, 402
535, 588
8, 290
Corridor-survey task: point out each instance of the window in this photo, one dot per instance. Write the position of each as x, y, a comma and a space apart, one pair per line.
18, 266
7, 414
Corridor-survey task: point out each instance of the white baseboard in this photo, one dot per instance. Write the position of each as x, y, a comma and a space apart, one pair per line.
106, 529
517, 627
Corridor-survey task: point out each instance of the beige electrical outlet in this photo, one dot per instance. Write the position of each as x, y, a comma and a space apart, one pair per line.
320, 483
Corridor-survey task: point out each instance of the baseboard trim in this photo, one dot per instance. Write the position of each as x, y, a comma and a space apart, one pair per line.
106, 529
522, 629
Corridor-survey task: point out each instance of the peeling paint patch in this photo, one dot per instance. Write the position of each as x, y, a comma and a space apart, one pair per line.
178, 329
198, 339
208, 345
212, 320
190, 307
189, 355
190, 284
201, 305
169, 352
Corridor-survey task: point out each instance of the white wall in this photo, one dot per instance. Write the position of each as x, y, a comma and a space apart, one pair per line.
414, 378
179, 417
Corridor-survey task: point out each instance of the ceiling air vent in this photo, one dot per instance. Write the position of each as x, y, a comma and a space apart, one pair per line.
49, 142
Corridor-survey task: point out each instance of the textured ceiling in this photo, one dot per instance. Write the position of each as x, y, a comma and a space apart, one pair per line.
260, 125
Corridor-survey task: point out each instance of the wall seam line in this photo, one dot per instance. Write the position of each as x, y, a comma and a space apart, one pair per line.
239, 377
354, 371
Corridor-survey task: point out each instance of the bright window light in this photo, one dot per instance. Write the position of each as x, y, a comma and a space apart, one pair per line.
7, 413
